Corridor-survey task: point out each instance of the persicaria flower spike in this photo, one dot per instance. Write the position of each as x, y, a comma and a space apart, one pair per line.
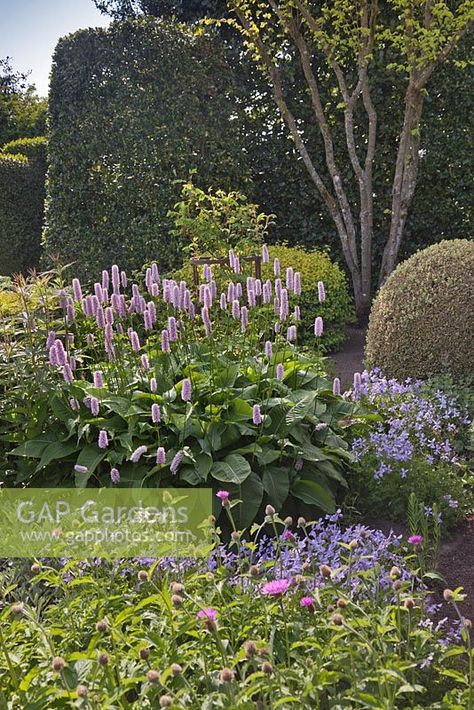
115, 475
257, 415
161, 456
336, 387
103, 441
186, 390
321, 292
98, 379
138, 453
155, 413
318, 327
265, 254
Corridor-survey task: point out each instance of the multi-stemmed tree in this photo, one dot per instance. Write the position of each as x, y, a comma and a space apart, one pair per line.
341, 41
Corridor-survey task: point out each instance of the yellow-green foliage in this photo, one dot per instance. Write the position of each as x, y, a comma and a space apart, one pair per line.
314, 266
422, 321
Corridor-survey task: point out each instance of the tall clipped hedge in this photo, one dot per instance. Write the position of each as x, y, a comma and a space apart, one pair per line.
22, 195
133, 110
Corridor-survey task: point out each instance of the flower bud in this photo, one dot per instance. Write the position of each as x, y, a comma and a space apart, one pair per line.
409, 603
102, 626
448, 595
177, 588
177, 600
267, 668
309, 662
103, 659
18, 609
143, 575
153, 676
81, 691
235, 536
288, 521
176, 670
58, 664
397, 585
467, 623
270, 511
226, 675
301, 522
353, 544
337, 619
395, 572
166, 701
250, 649
144, 653
325, 571
36, 568
341, 603
254, 571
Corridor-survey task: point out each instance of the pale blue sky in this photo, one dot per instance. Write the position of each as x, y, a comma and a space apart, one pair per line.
31, 28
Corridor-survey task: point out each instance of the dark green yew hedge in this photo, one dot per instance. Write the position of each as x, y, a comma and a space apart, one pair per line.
22, 194
133, 110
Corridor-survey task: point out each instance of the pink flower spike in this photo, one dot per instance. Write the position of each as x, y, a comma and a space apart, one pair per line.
153, 385
275, 588
186, 390
103, 439
155, 413
318, 327
138, 453
321, 292
257, 415
161, 456
115, 475
265, 254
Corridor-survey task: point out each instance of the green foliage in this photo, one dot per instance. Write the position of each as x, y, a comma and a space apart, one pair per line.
183, 10
22, 194
337, 310
387, 498
422, 320
135, 109
181, 636
295, 447
210, 223
22, 112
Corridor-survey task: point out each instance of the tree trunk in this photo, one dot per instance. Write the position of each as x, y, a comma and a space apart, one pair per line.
404, 182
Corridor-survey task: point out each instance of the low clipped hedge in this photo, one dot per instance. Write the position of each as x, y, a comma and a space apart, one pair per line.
422, 319
316, 265
22, 194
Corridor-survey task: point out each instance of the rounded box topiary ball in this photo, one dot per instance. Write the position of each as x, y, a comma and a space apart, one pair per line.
422, 320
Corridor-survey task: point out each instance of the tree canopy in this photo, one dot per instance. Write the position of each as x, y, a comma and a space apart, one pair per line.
22, 112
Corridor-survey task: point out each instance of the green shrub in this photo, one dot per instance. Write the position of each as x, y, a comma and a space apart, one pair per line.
22, 192
134, 110
422, 319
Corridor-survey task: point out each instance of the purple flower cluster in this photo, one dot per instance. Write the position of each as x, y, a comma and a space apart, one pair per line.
411, 424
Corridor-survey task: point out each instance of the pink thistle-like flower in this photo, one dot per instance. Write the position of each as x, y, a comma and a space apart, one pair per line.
98, 379
257, 415
138, 453
186, 390
155, 413
318, 327
307, 602
415, 540
223, 497
336, 387
209, 613
103, 440
321, 292
275, 588
115, 475
265, 254
161, 456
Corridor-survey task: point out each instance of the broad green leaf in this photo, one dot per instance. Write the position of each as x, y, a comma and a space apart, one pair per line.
90, 456
233, 469
276, 483
54, 451
315, 494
